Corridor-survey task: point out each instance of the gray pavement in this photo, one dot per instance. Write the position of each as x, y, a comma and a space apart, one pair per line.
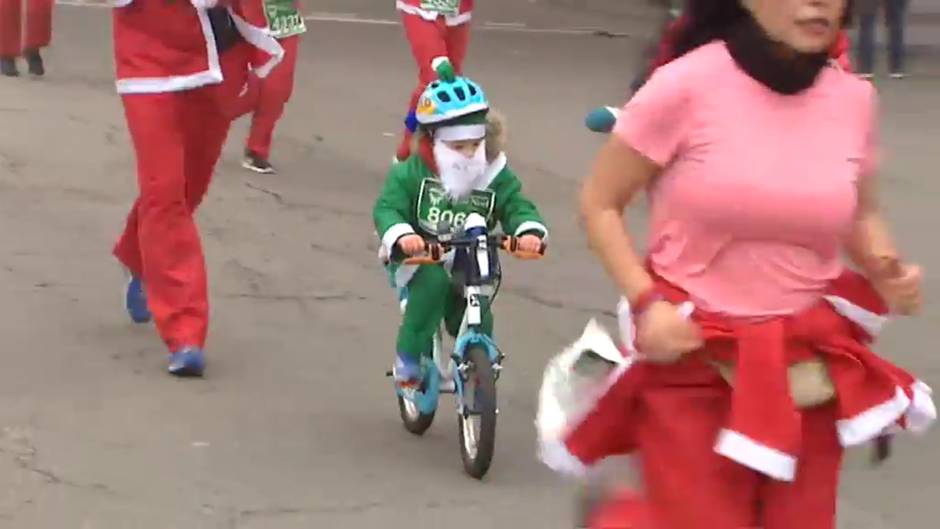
296, 425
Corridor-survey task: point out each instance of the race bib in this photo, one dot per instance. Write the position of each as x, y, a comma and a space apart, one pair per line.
284, 19
436, 207
444, 7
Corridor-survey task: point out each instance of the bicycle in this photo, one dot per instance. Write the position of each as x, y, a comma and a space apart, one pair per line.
471, 370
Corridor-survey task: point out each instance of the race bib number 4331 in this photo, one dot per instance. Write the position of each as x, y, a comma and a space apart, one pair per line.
444, 7
283, 18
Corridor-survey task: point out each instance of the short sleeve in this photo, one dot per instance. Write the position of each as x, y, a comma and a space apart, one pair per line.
656, 120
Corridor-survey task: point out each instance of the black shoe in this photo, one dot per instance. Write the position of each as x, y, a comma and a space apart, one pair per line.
34, 61
8, 67
255, 163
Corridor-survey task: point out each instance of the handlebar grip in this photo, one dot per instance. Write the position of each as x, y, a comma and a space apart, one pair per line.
511, 245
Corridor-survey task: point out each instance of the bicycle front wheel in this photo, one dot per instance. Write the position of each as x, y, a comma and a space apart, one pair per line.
477, 423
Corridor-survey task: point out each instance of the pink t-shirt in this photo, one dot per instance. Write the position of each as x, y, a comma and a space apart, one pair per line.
758, 190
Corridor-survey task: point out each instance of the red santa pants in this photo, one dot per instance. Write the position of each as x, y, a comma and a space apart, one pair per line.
178, 138
24, 25
429, 40
274, 93
689, 485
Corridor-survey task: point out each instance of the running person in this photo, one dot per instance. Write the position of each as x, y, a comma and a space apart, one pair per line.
287, 25
760, 162
439, 34
180, 69
25, 28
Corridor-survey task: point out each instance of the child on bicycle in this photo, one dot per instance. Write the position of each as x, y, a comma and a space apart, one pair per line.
457, 168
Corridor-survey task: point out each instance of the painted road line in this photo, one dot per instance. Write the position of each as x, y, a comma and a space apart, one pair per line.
352, 18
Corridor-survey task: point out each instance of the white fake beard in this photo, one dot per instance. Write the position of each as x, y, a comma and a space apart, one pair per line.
460, 175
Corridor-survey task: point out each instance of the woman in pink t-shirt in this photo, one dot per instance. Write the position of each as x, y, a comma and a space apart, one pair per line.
759, 159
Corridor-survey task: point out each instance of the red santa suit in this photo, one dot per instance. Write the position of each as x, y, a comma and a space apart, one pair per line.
436, 30
720, 457
24, 25
180, 95
287, 25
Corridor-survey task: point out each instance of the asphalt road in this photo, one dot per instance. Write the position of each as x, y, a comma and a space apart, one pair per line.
296, 425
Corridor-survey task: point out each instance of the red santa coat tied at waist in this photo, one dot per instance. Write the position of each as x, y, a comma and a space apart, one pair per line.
169, 45
581, 422
455, 12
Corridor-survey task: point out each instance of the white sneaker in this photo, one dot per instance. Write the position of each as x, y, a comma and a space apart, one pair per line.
866, 76
898, 75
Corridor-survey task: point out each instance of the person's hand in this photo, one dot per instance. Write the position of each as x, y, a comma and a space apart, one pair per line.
664, 334
412, 244
529, 243
900, 286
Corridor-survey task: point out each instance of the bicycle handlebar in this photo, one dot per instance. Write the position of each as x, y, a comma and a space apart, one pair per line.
434, 251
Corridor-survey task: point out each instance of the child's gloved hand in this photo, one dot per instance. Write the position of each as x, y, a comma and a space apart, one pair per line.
529, 243
445, 70
412, 244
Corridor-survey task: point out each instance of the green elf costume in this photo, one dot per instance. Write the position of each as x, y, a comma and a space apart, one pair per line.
438, 184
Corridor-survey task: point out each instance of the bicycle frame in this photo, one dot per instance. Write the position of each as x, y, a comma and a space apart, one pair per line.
444, 373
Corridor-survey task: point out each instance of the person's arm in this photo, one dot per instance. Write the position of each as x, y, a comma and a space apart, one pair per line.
870, 245
392, 210
618, 175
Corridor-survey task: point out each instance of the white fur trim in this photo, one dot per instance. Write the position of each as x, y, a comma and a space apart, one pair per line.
459, 20
532, 225
754, 455
260, 38
871, 423
393, 233
555, 455
204, 4
871, 322
121, 3
437, 61
922, 413
450, 20
493, 170
177, 83
460, 133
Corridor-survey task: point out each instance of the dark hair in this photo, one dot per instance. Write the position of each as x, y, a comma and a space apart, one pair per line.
708, 20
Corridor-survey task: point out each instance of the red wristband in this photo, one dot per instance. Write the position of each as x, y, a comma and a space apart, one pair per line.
644, 300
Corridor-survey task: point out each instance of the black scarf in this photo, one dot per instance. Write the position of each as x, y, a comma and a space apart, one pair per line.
772, 63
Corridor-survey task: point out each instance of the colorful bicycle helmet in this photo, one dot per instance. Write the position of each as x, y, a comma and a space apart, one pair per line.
443, 101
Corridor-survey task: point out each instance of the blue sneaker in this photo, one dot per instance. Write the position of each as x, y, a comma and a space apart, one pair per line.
406, 372
135, 301
187, 362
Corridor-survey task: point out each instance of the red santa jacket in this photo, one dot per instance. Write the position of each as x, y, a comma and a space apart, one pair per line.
762, 431
430, 10
168, 45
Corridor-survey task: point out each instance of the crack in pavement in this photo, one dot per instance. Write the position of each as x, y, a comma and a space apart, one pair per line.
275, 512
26, 456
279, 198
532, 297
